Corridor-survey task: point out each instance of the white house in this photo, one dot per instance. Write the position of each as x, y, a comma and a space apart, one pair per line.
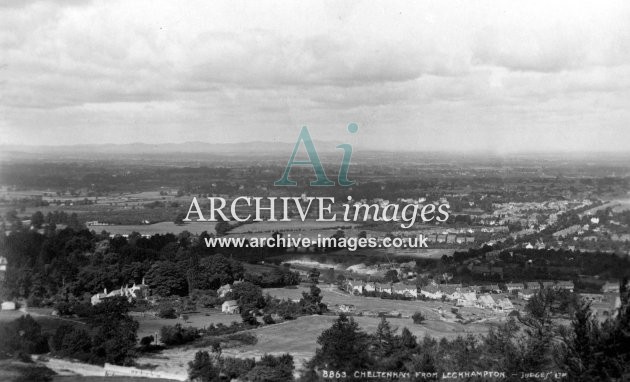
132, 293
504, 305
431, 292
369, 287
514, 287
230, 307
486, 301
8, 305
354, 287
405, 290
526, 294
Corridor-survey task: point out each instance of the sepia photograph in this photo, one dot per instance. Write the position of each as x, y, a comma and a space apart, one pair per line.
312, 191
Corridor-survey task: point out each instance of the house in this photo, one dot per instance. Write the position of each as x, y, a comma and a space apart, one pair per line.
451, 291
504, 305
3, 264
224, 290
347, 308
492, 288
547, 284
383, 288
8, 305
431, 292
565, 285
405, 290
485, 301
369, 287
533, 285
526, 294
466, 297
592, 297
511, 287
354, 287
610, 287
132, 293
230, 307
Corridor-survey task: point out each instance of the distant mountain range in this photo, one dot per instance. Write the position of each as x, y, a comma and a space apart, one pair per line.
186, 147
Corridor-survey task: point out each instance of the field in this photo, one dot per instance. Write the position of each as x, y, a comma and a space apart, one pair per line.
149, 325
299, 337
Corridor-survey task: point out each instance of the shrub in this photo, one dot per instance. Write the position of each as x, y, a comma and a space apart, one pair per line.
268, 320
178, 335
418, 318
167, 313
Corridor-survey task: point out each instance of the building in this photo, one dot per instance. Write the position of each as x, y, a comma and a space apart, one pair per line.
526, 294
547, 284
592, 297
533, 285
486, 301
383, 288
512, 287
492, 288
405, 290
504, 305
230, 307
565, 285
466, 297
132, 293
431, 291
8, 305
347, 308
610, 287
354, 287
451, 291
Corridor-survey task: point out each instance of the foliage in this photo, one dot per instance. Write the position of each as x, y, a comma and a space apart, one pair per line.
178, 335
418, 318
22, 335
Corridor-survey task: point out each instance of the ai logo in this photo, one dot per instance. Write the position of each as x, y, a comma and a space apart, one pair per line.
320, 175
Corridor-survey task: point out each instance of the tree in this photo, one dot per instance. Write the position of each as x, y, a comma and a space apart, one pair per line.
37, 219
166, 279
385, 340
22, 335
249, 296
418, 318
311, 303
202, 369
313, 276
344, 346
391, 276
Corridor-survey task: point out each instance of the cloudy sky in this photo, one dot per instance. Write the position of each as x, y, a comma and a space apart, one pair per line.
426, 75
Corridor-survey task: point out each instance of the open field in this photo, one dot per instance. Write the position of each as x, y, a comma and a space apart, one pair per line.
299, 338
149, 324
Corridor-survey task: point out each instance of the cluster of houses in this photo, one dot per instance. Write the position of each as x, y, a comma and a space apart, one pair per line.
470, 296
360, 287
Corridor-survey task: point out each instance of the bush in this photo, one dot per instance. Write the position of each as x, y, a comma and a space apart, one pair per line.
418, 318
167, 313
178, 335
268, 320
22, 335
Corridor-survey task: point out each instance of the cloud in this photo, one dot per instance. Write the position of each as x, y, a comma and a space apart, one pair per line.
243, 70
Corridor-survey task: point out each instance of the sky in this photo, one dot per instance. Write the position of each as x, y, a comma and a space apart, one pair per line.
414, 75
